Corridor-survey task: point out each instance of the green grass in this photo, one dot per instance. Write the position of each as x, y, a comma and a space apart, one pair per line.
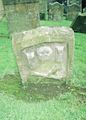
4, 27
7, 60
79, 74
52, 23
61, 101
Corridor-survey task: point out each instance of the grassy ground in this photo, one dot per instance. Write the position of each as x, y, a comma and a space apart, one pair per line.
61, 101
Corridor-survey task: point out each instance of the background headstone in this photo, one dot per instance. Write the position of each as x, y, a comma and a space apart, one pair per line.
79, 24
22, 15
56, 11
1, 10
73, 11
45, 52
73, 1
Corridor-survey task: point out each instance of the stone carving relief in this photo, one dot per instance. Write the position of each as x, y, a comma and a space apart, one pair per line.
44, 52
47, 59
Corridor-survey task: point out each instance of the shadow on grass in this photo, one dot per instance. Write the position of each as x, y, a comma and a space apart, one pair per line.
35, 92
38, 91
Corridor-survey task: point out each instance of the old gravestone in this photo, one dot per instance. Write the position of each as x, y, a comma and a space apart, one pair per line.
79, 24
56, 11
45, 52
22, 14
73, 11
1, 10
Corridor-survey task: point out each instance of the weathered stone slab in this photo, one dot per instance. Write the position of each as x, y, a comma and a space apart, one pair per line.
79, 24
45, 52
22, 15
1, 10
73, 11
56, 11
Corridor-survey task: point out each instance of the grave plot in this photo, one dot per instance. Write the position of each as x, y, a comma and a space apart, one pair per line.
22, 15
56, 11
73, 11
46, 52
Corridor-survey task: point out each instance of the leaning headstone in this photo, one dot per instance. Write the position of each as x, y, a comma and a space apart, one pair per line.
22, 15
56, 11
45, 52
1, 10
79, 24
73, 11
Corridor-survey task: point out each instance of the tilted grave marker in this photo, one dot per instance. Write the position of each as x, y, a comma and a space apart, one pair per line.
45, 52
73, 11
22, 15
79, 24
56, 11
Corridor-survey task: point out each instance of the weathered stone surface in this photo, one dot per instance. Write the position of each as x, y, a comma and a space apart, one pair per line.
56, 11
1, 10
79, 24
45, 51
11, 2
73, 11
22, 17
